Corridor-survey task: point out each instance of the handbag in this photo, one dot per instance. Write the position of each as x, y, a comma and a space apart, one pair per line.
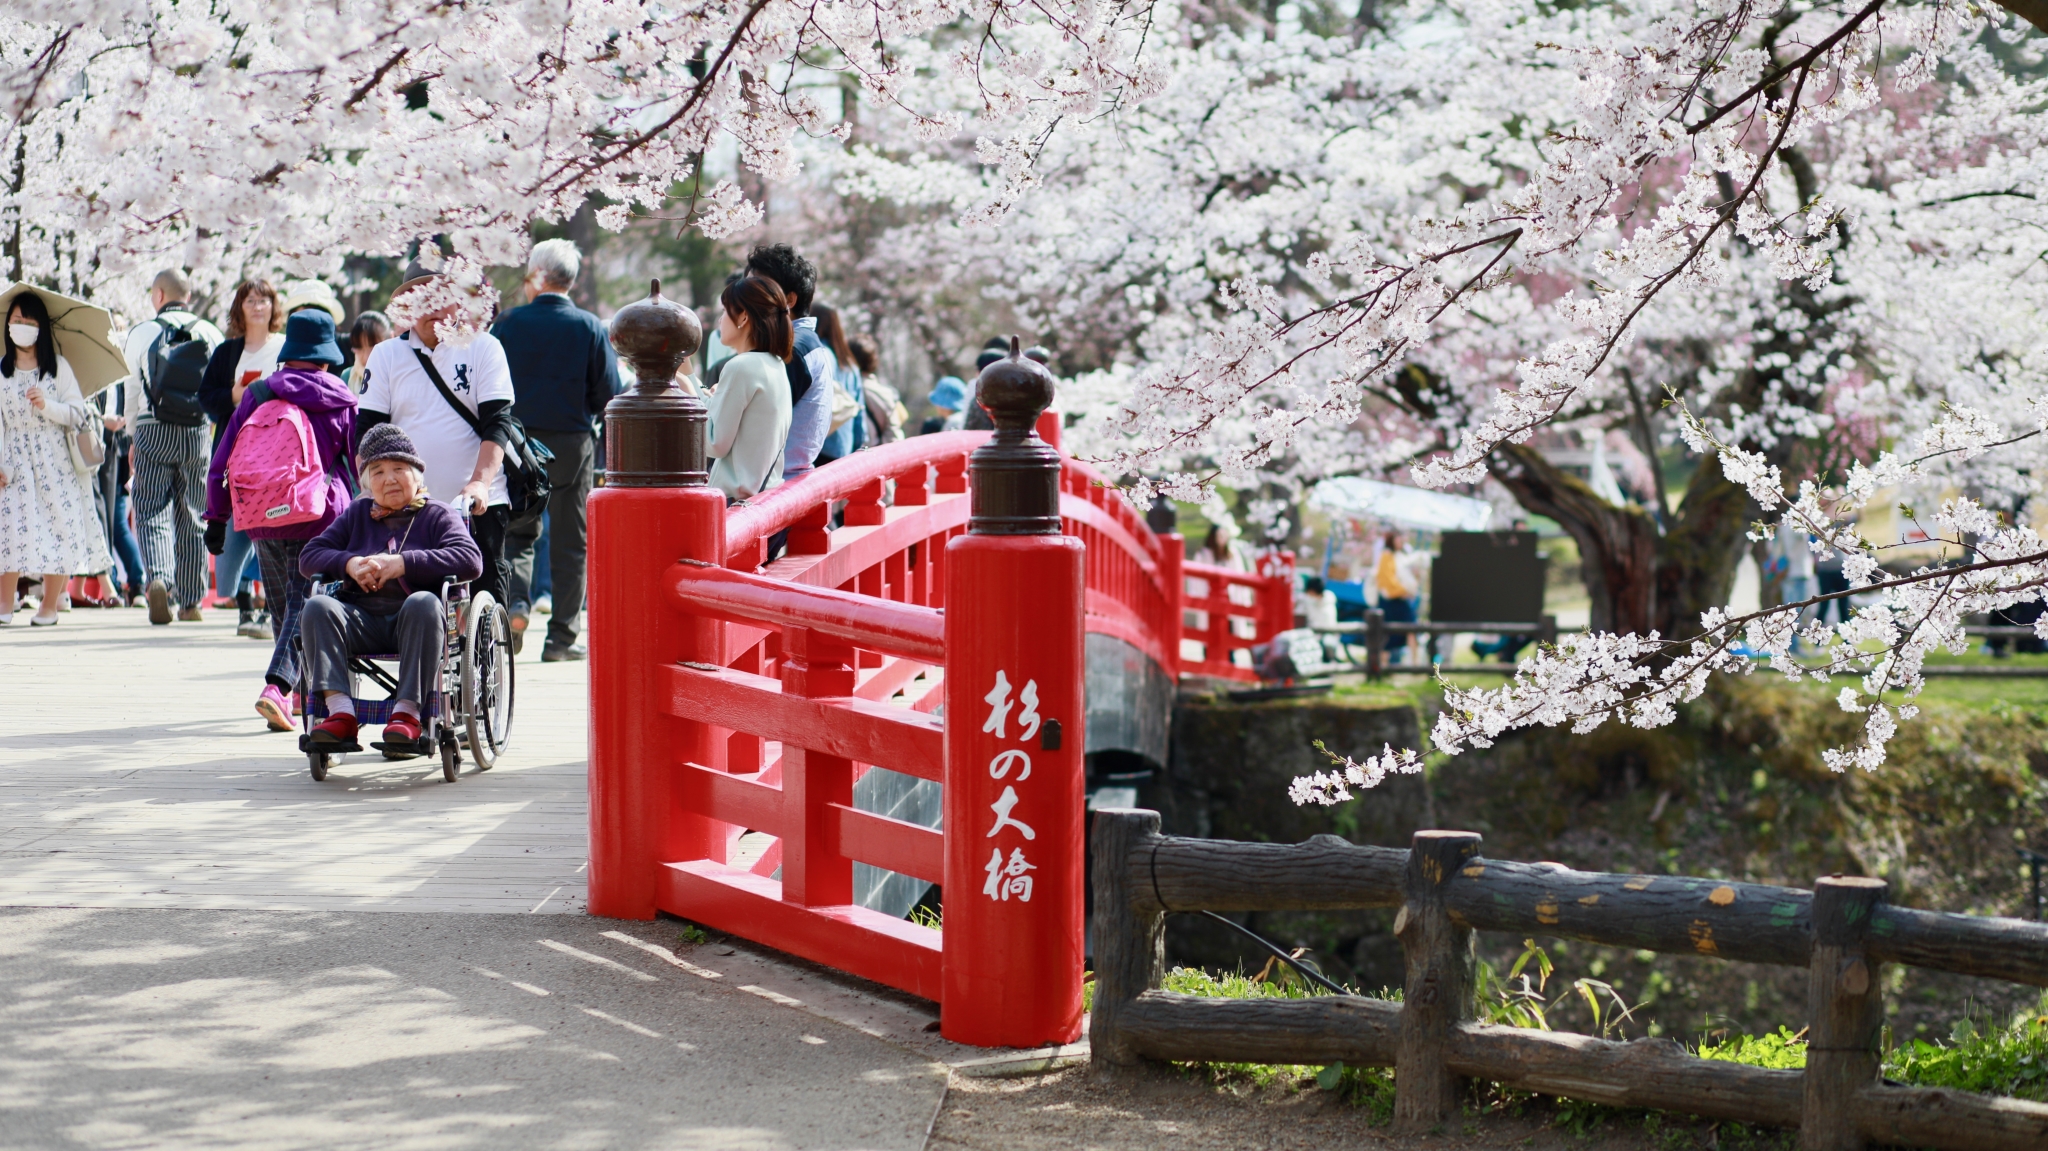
526, 461
844, 406
88, 447
88, 444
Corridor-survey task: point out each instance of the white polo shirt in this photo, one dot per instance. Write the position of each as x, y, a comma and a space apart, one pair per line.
394, 382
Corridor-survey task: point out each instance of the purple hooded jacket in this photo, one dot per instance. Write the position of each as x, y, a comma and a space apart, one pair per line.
331, 406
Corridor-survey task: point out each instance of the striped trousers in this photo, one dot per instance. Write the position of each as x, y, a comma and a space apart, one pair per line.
285, 590
170, 499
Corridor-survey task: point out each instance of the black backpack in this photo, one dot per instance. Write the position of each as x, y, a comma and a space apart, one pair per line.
177, 364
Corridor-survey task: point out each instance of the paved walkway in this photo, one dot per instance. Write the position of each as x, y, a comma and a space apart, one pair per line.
200, 947
134, 772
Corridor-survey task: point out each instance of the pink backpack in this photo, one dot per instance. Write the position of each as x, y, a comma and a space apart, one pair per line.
274, 475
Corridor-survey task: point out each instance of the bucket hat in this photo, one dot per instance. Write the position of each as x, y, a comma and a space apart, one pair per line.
309, 336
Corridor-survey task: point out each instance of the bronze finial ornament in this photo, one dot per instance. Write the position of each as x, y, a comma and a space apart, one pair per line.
1015, 488
654, 433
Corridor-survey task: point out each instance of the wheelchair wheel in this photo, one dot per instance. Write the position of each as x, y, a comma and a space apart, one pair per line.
319, 761
487, 680
451, 760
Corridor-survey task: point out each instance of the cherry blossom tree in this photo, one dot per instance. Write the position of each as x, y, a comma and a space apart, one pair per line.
1424, 245
140, 132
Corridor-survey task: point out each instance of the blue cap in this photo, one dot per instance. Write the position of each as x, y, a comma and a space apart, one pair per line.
949, 393
309, 336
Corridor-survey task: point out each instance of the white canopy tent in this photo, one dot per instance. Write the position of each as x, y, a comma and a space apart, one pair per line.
1407, 507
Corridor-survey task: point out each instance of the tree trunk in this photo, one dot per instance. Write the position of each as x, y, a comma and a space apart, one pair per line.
1639, 581
583, 231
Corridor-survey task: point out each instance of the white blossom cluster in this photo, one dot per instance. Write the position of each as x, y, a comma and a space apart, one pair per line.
141, 133
1334, 787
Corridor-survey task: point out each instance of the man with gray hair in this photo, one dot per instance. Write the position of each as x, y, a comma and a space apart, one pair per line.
564, 373
166, 360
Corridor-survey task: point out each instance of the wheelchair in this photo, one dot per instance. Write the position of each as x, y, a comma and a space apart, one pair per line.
469, 704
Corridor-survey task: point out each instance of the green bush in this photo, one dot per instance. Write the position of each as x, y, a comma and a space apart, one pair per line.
1780, 1051
2009, 1060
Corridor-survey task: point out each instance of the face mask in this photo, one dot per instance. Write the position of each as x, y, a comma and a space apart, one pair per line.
24, 335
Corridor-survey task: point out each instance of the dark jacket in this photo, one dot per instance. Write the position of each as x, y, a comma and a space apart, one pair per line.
806, 342
217, 386
563, 368
331, 406
433, 540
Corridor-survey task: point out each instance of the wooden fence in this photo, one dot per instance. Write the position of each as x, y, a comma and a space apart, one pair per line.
1843, 931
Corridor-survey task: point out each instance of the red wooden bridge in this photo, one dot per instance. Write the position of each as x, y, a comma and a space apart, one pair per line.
953, 628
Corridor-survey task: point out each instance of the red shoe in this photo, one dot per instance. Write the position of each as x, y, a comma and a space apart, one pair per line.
336, 729
403, 729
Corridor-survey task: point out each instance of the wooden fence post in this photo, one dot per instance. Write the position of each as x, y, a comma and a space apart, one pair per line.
1437, 995
1375, 643
1130, 945
1846, 1009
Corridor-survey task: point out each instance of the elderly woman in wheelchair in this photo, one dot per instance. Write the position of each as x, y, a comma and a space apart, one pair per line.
393, 547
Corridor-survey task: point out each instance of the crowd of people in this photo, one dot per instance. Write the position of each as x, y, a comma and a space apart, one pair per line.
292, 440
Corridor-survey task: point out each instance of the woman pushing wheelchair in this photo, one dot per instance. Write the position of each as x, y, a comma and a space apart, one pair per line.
392, 547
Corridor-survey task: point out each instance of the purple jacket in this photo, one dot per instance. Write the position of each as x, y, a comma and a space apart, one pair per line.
434, 542
331, 406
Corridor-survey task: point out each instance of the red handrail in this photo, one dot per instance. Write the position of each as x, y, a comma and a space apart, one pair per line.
898, 629
781, 507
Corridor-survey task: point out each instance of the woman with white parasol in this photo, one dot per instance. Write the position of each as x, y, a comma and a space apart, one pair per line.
49, 458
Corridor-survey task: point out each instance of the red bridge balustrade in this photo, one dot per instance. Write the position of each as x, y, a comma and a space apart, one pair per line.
937, 633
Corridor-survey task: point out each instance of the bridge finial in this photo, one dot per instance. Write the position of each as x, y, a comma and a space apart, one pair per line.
1015, 486
654, 434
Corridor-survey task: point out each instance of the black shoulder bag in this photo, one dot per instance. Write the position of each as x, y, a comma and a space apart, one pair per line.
526, 461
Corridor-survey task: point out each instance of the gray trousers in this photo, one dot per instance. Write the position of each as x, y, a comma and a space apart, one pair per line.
170, 499
332, 629
568, 533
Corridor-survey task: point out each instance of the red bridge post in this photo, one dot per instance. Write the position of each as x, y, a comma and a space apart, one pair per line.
655, 507
1011, 967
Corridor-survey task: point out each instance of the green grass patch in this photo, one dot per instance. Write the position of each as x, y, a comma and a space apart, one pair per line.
1994, 1060
1781, 1050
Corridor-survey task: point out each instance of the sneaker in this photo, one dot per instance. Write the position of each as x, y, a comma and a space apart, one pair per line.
272, 707
336, 730
190, 615
545, 605
158, 593
41, 620
519, 620
554, 654
298, 704
249, 627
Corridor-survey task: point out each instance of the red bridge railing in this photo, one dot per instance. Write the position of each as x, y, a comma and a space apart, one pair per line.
937, 632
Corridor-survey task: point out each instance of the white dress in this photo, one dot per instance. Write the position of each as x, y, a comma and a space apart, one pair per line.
48, 522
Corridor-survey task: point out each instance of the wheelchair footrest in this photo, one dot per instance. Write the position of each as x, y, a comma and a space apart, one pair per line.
424, 745
306, 744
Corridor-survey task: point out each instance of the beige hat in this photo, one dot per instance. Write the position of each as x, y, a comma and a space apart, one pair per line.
313, 294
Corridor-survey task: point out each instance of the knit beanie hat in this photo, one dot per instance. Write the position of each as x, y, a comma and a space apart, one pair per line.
388, 442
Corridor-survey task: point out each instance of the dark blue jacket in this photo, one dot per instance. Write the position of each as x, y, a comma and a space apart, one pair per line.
563, 369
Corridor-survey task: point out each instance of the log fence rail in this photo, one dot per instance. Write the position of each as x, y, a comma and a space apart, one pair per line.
1842, 932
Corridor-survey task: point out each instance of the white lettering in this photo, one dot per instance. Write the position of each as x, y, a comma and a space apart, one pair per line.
1000, 766
1005, 880
998, 700
1028, 718
1002, 807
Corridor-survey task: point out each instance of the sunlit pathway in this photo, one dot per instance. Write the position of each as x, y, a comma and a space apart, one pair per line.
200, 947
134, 772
